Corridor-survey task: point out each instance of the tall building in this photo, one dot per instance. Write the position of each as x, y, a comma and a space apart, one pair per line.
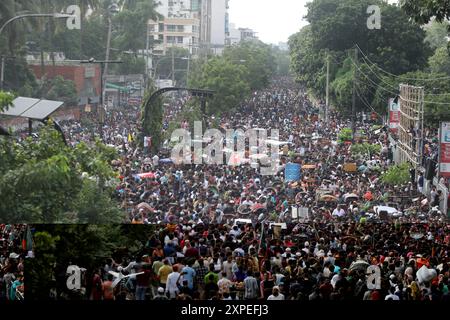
179, 27
233, 36
214, 24
247, 34
190, 24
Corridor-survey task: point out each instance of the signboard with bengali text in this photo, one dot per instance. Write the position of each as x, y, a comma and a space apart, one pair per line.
444, 157
394, 116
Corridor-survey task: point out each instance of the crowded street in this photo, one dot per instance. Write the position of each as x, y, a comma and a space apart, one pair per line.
226, 232
224, 150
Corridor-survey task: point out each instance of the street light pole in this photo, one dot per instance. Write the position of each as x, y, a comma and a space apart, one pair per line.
28, 15
102, 85
2, 73
112, 9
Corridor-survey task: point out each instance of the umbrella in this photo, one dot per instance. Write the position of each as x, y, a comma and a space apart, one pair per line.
417, 235
244, 209
350, 197
119, 277
167, 160
328, 198
368, 196
258, 156
359, 265
148, 175
362, 168
145, 206
257, 206
271, 189
276, 142
214, 190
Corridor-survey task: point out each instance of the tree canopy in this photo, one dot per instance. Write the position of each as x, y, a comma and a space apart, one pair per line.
337, 28
44, 181
257, 58
228, 80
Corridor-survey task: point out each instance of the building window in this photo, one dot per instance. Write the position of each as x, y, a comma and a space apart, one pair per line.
180, 28
161, 27
170, 39
161, 37
171, 28
151, 28
170, 3
179, 39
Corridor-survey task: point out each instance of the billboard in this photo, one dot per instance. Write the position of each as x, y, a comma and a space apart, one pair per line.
394, 116
444, 157
292, 172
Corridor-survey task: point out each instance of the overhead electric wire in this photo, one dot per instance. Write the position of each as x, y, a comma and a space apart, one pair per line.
381, 87
397, 76
368, 78
366, 103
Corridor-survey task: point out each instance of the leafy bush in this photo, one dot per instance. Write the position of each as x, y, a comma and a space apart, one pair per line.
345, 135
396, 175
366, 148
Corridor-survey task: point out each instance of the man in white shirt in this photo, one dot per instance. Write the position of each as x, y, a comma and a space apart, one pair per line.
235, 232
224, 284
338, 212
172, 283
227, 267
276, 295
391, 295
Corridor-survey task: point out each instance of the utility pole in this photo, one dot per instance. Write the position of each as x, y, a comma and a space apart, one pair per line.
2, 76
105, 67
354, 94
327, 95
2, 71
173, 65
147, 62
189, 61
101, 113
188, 69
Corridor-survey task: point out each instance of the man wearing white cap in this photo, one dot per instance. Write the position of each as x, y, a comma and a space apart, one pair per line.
160, 295
276, 295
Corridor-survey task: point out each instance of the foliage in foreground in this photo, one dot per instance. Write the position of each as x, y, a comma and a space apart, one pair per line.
396, 175
44, 181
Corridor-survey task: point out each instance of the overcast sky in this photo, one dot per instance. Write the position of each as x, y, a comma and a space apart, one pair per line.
274, 20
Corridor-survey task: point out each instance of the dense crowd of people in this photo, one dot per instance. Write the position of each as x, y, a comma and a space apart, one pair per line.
228, 232
12, 257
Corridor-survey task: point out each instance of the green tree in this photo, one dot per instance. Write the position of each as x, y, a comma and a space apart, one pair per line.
87, 246
437, 34
131, 64
6, 99
306, 62
41, 180
282, 61
440, 61
163, 65
257, 57
131, 23
335, 27
396, 175
228, 80
40, 271
338, 25
60, 89
436, 99
423, 10
152, 118
366, 149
